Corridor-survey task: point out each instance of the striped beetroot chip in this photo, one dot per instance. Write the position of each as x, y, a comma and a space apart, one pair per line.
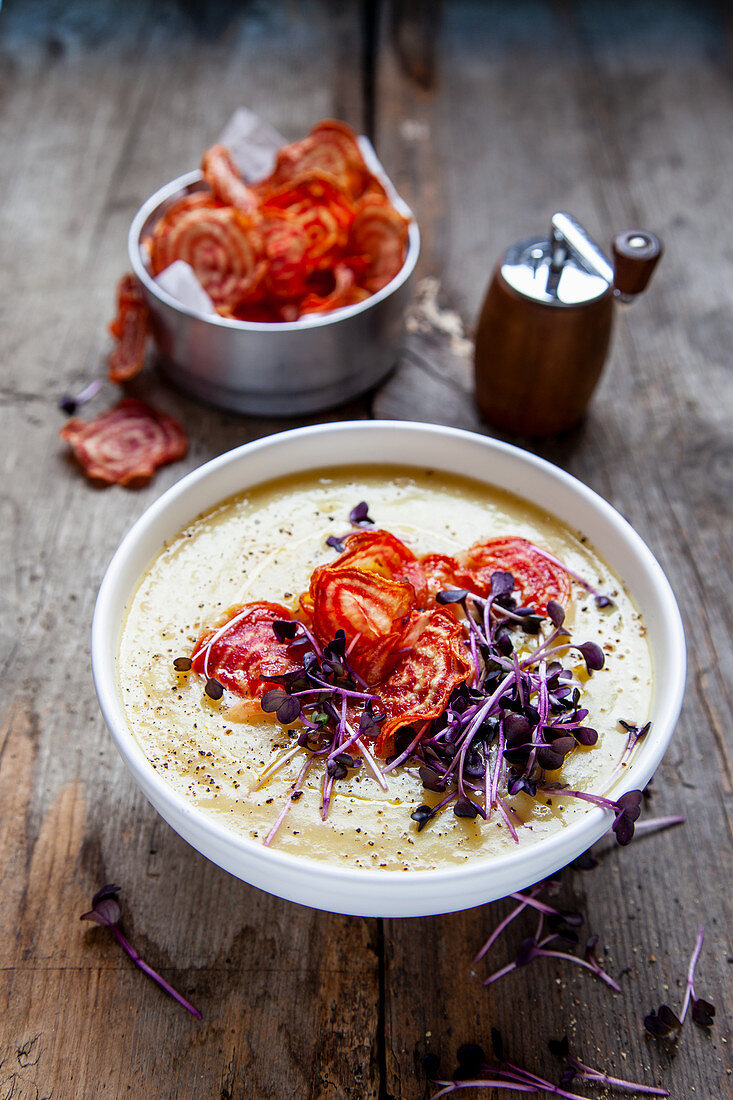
372, 610
331, 148
538, 576
342, 291
244, 653
379, 233
197, 200
225, 179
422, 683
125, 444
130, 328
222, 246
377, 551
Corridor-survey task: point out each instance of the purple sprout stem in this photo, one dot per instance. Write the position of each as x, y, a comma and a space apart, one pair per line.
233, 622
576, 576
441, 805
407, 753
501, 806
340, 746
504, 924
541, 951
354, 738
346, 693
474, 658
90, 390
327, 790
503, 613
658, 823
130, 950
501, 973
690, 984
296, 787
538, 1083
455, 1086
497, 766
475, 630
598, 1078
487, 786
514, 1077
597, 969
594, 799
273, 768
488, 628
371, 764
504, 970
540, 906
311, 638
544, 650
355, 676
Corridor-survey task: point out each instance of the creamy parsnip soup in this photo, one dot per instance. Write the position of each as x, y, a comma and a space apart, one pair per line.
412, 706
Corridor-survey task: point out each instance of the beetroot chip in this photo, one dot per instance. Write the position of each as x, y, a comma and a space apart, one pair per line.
125, 444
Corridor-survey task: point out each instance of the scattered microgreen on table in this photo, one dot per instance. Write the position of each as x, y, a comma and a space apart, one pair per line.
106, 911
475, 1071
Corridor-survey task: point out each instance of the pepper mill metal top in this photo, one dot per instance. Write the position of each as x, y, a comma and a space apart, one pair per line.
545, 326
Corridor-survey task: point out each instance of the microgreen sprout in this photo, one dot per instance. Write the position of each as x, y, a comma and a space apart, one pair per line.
533, 948
69, 404
106, 911
213, 688
475, 1071
665, 1022
530, 899
635, 734
562, 925
575, 1070
318, 695
601, 600
625, 809
359, 516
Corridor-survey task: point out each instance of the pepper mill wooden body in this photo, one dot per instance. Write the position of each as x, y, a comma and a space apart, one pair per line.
545, 326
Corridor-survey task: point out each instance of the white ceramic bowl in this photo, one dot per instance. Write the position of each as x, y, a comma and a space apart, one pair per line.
366, 892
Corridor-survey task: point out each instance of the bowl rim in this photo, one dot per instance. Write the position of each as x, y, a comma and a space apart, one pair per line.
186, 183
591, 825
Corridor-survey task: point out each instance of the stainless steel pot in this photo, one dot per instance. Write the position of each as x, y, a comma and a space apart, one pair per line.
286, 368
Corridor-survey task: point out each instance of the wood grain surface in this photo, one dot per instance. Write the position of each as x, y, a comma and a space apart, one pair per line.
489, 116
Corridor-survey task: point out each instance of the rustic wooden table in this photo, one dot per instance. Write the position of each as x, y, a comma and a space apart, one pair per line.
489, 117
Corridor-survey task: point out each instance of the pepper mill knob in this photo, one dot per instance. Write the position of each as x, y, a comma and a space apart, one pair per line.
635, 255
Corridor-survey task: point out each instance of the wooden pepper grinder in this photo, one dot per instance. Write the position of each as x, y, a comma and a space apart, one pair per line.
545, 326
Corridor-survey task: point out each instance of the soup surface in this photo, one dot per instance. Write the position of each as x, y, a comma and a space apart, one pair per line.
264, 545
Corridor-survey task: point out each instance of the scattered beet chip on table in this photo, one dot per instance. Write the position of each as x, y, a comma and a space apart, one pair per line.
125, 444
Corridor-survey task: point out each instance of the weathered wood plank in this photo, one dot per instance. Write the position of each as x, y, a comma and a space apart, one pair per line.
622, 119
102, 105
